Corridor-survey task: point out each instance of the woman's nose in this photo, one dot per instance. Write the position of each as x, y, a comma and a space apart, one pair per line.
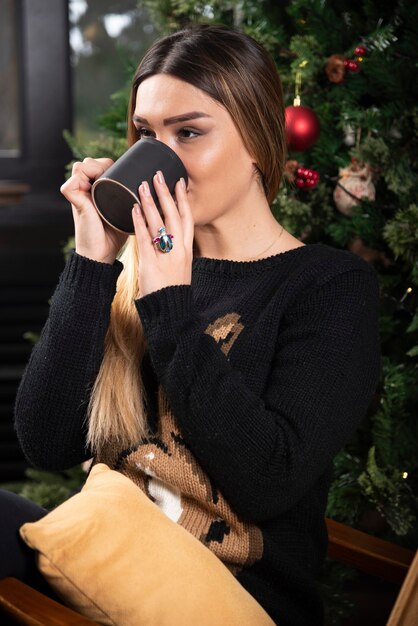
165, 138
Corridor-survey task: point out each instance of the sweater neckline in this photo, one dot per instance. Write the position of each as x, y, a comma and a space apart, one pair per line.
243, 268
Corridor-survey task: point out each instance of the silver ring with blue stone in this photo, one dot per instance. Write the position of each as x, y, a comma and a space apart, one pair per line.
163, 240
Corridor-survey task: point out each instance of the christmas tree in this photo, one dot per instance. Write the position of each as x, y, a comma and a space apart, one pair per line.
350, 83
350, 86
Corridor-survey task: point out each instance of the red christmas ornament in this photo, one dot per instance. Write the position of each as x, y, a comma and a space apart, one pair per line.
302, 127
360, 51
306, 178
352, 66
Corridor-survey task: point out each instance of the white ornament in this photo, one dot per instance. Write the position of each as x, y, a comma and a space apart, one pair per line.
349, 135
355, 183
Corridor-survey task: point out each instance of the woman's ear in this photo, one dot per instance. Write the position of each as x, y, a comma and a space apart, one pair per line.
258, 174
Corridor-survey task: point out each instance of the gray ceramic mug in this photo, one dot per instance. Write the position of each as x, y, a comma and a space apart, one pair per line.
116, 191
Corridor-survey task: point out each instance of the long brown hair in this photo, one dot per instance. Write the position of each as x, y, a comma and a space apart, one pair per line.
236, 71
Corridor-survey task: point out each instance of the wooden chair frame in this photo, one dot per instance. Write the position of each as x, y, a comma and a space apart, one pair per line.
23, 605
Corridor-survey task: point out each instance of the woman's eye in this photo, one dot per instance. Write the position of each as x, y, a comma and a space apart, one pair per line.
183, 133
143, 132
188, 133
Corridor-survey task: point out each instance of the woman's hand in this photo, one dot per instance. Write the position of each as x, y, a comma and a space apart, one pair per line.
157, 269
94, 238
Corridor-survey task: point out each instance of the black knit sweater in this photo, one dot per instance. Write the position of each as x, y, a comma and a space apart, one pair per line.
267, 367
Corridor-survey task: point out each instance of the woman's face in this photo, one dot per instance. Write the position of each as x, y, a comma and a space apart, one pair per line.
202, 133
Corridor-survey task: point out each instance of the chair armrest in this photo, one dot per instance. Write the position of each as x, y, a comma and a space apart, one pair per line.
405, 611
26, 606
367, 553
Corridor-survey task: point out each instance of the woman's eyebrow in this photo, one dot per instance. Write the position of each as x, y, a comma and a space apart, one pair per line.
193, 115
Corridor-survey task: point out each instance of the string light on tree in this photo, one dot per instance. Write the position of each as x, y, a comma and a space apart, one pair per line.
407, 292
405, 308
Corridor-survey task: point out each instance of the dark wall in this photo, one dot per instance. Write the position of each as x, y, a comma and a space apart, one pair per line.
35, 220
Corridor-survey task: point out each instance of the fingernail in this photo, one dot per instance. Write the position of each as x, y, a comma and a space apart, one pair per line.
137, 209
183, 184
145, 188
160, 177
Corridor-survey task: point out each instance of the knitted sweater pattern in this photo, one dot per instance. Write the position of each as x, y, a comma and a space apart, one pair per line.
256, 374
165, 468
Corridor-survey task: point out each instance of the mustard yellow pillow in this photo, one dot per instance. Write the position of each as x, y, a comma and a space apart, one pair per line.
110, 553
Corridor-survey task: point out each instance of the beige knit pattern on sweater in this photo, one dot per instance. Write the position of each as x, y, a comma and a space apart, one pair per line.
164, 468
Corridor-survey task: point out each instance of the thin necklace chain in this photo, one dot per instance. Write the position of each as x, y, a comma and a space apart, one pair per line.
268, 248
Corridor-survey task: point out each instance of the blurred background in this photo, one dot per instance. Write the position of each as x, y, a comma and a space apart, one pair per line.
60, 62
349, 70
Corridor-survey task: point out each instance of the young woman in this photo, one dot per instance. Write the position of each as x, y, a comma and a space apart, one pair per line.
223, 376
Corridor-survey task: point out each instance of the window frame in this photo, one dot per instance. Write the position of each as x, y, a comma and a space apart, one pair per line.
44, 91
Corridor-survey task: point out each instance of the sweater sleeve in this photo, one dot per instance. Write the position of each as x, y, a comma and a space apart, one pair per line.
265, 453
54, 391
